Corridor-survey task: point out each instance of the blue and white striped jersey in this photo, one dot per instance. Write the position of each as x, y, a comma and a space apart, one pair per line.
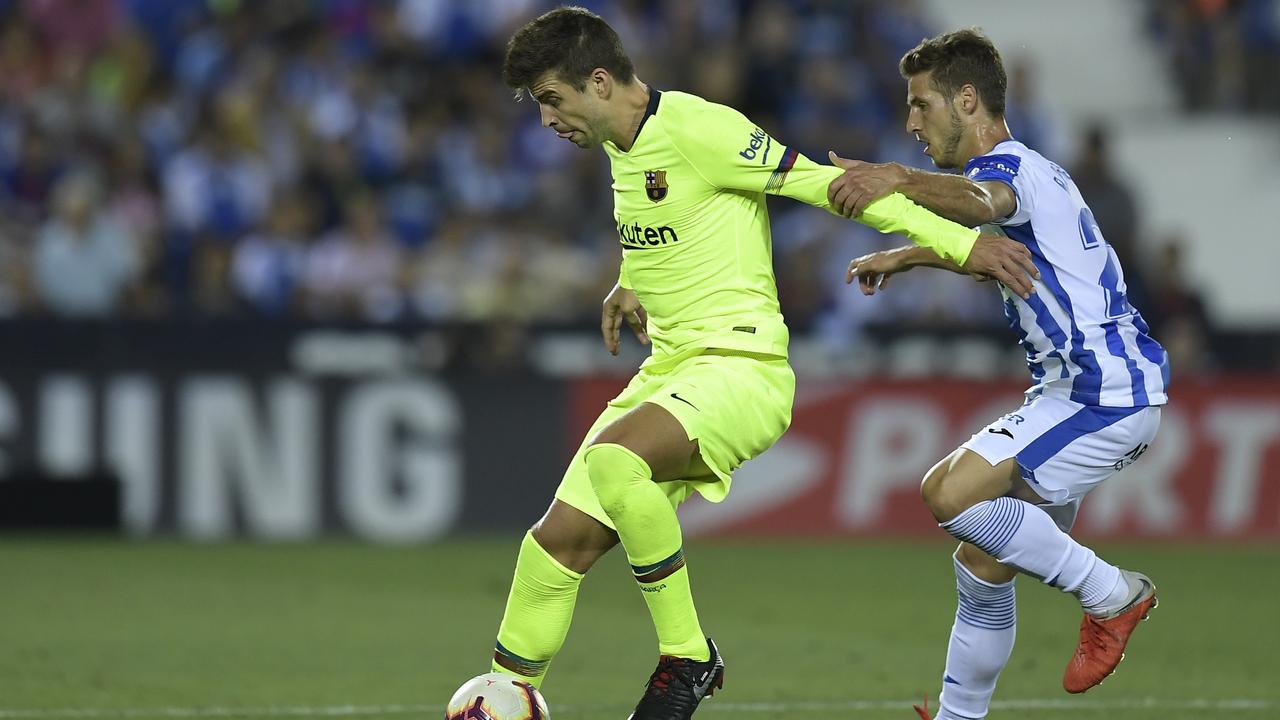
1084, 341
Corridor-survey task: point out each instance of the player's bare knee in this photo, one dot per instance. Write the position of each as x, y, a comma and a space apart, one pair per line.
942, 493
575, 539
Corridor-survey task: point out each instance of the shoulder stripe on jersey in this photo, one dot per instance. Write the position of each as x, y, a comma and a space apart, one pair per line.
993, 167
1085, 421
1086, 388
779, 175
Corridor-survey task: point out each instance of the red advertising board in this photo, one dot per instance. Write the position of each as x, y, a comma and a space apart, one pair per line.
852, 461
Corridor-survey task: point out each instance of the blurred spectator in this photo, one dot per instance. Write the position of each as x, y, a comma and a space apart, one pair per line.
1177, 313
348, 160
356, 272
1114, 208
84, 262
267, 265
1223, 54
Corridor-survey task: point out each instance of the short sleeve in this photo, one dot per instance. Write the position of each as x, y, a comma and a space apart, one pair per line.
1005, 168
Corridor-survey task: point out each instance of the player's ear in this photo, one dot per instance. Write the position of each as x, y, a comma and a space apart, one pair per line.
967, 99
601, 83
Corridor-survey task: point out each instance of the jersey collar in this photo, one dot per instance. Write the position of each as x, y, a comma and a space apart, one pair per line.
652, 109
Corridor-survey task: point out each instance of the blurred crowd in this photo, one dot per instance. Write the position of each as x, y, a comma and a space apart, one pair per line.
360, 160
1222, 54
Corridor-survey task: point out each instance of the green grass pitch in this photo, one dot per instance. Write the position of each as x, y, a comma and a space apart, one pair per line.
97, 628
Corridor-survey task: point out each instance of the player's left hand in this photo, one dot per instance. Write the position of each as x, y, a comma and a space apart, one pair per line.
873, 270
1002, 259
862, 184
622, 304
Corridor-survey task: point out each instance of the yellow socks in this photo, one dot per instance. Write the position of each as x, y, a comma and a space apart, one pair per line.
651, 536
539, 610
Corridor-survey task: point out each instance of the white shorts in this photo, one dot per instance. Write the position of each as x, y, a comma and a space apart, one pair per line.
1065, 449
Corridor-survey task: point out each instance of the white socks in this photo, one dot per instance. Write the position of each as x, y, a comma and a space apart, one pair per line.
1023, 536
981, 641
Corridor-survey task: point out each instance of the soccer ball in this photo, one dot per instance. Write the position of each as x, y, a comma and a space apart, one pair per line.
494, 696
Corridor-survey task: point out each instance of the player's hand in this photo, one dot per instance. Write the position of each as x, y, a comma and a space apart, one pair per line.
862, 184
622, 304
1009, 262
873, 270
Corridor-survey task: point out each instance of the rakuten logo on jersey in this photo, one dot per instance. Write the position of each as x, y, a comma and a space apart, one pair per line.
640, 236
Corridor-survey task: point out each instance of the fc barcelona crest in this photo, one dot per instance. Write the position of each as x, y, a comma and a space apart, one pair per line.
655, 184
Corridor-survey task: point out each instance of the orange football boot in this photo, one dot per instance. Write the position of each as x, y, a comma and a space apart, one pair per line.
1102, 639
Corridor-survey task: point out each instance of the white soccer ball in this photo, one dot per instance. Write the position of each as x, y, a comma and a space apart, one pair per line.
494, 696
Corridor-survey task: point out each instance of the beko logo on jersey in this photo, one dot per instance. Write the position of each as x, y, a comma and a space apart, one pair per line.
759, 139
637, 235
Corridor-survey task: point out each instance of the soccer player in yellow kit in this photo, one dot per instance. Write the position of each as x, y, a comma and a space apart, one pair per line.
690, 179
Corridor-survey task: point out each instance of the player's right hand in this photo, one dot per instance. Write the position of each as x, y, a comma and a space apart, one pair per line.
622, 304
1005, 260
873, 270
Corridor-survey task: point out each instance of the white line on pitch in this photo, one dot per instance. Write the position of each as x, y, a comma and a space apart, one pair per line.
758, 707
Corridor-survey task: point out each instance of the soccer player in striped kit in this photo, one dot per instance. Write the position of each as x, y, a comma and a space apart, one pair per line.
1010, 494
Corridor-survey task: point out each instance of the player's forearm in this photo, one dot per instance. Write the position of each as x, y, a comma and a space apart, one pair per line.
913, 256
954, 197
894, 213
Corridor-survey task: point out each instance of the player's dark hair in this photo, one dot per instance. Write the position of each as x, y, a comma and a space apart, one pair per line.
956, 59
571, 41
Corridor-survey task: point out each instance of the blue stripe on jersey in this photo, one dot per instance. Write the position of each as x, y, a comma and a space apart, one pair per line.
993, 167
1086, 388
1051, 329
1085, 421
1151, 349
1115, 345
1015, 322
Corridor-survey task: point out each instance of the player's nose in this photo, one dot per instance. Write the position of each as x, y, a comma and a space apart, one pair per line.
548, 118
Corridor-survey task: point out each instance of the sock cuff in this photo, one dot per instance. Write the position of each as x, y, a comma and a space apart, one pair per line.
516, 664
984, 605
661, 570
989, 525
616, 448
531, 544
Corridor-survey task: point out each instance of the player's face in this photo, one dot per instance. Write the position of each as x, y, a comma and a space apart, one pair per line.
574, 115
934, 121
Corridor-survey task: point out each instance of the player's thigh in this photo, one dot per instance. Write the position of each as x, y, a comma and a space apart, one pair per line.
734, 406
963, 479
654, 434
575, 488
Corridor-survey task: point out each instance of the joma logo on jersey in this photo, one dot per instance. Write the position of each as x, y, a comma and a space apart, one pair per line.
759, 139
655, 184
637, 235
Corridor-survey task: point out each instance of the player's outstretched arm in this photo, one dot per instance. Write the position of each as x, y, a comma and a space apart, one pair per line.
955, 197
873, 270
991, 256
622, 305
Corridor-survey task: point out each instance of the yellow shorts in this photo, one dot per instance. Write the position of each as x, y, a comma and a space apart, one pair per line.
735, 404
